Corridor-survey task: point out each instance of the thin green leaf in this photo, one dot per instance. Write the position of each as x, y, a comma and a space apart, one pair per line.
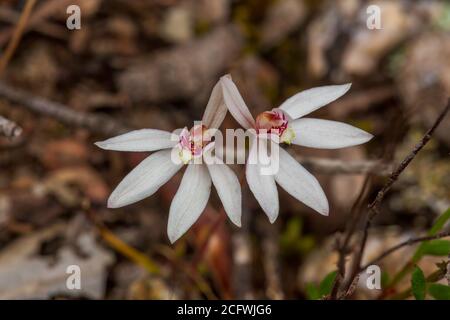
327, 284
312, 291
384, 279
439, 291
437, 226
418, 284
440, 223
437, 248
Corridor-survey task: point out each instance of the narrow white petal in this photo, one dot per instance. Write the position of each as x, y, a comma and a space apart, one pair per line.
216, 109
139, 140
189, 201
262, 186
301, 184
326, 134
229, 190
235, 103
312, 99
144, 180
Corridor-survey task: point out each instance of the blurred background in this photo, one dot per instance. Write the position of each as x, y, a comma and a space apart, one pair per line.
152, 64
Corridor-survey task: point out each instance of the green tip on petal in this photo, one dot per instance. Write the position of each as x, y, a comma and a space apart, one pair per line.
288, 136
185, 156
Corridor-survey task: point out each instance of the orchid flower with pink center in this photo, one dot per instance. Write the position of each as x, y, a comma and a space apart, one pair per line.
171, 155
288, 124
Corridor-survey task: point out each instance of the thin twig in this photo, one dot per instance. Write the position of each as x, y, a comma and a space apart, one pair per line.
394, 176
51, 29
374, 205
404, 244
44, 11
343, 241
351, 289
95, 123
9, 128
17, 35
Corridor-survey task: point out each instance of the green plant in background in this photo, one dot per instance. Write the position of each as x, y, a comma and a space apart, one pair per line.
443, 22
420, 284
439, 291
314, 292
292, 239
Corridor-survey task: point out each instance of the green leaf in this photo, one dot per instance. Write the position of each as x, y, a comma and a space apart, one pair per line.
437, 226
439, 291
292, 235
440, 223
385, 279
327, 284
418, 284
312, 291
436, 248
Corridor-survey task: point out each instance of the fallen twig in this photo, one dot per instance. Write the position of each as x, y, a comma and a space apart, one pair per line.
95, 123
46, 9
46, 28
17, 35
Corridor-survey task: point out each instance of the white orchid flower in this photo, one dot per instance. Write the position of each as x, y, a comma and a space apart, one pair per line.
289, 126
187, 147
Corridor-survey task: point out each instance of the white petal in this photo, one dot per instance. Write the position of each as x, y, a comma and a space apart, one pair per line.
301, 184
189, 201
262, 186
326, 134
144, 180
216, 109
312, 99
235, 103
139, 140
229, 190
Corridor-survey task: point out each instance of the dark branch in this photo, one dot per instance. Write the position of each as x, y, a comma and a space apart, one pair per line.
404, 244
95, 123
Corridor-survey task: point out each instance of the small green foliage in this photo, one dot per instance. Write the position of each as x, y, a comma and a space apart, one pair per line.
437, 248
292, 240
439, 291
326, 284
440, 223
396, 60
443, 22
385, 279
437, 226
312, 291
315, 292
418, 284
